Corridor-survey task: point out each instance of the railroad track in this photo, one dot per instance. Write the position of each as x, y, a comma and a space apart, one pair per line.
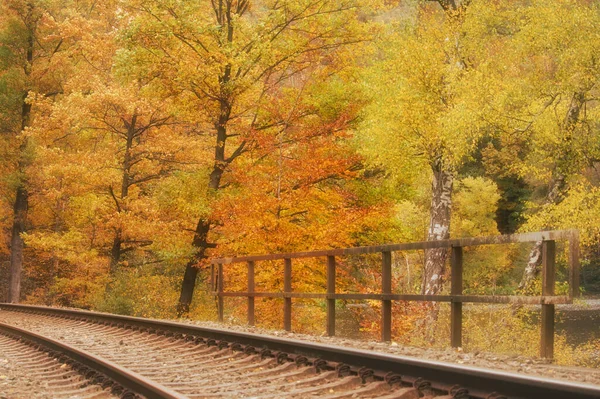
174, 360
45, 370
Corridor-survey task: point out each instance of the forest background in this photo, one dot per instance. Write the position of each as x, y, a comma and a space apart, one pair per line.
140, 138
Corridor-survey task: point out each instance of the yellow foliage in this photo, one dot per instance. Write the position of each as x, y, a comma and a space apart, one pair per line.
138, 293
579, 210
474, 208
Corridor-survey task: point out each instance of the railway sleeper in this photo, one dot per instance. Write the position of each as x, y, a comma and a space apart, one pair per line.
263, 366
334, 385
374, 389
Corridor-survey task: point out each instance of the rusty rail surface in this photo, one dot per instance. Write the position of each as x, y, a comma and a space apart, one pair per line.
547, 300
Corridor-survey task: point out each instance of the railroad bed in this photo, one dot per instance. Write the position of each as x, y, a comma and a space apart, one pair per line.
41, 371
171, 360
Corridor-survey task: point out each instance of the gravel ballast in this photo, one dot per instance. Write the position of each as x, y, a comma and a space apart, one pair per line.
510, 363
516, 364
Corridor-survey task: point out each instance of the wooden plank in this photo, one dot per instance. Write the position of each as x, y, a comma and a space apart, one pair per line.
456, 263
386, 304
548, 279
220, 292
519, 300
287, 301
461, 242
250, 289
303, 295
330, 299
396, 297
574, 265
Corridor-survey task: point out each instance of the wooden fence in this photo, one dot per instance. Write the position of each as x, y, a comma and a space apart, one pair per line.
456, 298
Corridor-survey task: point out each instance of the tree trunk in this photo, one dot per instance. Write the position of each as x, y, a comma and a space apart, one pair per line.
439, 229
558, 187
200, 241
225, 15
191, 269
16, 245
532, 269
22, 196
115, 253
116, 250
441, 202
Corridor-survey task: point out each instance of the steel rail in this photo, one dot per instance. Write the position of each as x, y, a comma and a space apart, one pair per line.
125, 378
480, 382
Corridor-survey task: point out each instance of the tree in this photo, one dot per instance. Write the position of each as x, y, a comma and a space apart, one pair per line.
545, 114
102, 147
568, 133
31, 44
424, 113
225, 62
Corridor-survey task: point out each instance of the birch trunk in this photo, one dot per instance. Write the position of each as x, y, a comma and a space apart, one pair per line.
558, 187
439, 229
534, 262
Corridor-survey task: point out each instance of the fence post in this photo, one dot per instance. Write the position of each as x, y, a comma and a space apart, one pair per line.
386, 304
548, 278
574, 264
456, 265
287, 288
330, 300
250, 291
220, 290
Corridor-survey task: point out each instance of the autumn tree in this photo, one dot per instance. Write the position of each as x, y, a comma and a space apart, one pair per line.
223, 57
544, 113
34, 37
564, 137
102, 147
424, 114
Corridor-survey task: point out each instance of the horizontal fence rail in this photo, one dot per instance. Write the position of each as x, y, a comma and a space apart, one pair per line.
547, 300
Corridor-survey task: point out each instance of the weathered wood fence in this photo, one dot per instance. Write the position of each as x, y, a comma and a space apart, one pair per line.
456, 298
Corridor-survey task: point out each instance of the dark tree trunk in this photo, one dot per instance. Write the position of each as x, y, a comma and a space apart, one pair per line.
191, 269
439, 229
116, 250
19, 210
115, 253
225, 13
16, 245
200, 241
22, 196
